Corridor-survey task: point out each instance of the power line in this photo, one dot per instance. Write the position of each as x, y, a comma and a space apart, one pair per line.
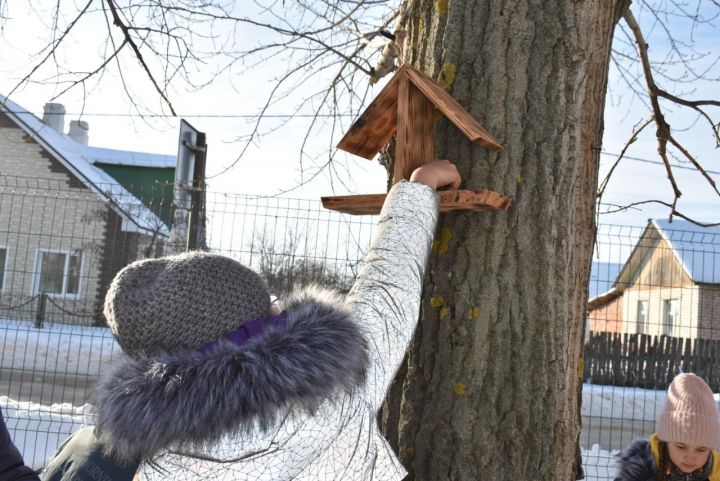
287, 116
210, 116
656, 162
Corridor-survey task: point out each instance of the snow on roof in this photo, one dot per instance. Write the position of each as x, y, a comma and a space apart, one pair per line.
79, 159
602, 277
697, 248
124, 157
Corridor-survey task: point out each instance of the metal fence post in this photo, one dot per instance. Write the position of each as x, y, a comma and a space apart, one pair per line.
40, 313
196, 224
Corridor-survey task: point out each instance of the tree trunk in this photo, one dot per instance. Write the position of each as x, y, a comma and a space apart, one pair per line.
491, 388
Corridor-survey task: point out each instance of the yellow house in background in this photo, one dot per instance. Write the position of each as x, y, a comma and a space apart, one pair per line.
670, 285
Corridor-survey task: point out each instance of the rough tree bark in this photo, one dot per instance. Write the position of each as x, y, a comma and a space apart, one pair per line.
490, 388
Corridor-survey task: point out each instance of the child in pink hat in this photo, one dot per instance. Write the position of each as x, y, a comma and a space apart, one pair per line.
686, 436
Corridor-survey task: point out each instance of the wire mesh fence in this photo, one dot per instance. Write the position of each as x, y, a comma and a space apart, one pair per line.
652, 313
61, 245
653, 297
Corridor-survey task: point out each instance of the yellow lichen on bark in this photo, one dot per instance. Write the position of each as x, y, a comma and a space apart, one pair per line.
441, 245
447, 76
437, 301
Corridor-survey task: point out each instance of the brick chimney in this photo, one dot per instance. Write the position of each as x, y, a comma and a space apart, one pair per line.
54, 116
79, 131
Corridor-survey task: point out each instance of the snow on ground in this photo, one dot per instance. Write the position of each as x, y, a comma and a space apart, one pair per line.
620, 403
38, 430
56, 348
598, 464
611, 402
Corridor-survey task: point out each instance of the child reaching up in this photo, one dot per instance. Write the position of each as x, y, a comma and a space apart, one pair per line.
683, 447
216, 385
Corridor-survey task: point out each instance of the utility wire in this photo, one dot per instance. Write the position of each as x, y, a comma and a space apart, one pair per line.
657, 162
286, 116
204, 116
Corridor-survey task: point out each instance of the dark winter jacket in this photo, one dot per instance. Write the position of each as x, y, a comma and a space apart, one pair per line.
639, 461
12, 466
297, 403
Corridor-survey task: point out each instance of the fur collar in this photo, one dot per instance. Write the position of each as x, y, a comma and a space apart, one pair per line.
636, 462
186, 400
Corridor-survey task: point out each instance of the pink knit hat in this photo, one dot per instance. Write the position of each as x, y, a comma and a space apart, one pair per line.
690, 414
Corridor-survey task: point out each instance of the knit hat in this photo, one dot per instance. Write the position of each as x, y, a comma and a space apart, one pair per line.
182, 302
690, 414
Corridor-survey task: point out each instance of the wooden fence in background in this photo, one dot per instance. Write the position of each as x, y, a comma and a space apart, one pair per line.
650, 362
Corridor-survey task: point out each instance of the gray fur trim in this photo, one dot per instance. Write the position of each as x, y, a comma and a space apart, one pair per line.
184, 400
636, 462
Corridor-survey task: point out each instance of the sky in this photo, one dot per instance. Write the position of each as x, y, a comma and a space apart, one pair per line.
37, 429
271, 164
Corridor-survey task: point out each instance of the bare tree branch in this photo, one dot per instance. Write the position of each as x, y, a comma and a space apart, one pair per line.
53, 47
633, 138
117, 21
673, 211
663, 133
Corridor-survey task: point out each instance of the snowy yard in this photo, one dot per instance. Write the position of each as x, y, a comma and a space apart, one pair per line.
39, 429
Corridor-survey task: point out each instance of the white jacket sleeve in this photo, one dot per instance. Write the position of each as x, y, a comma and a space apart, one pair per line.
385, 298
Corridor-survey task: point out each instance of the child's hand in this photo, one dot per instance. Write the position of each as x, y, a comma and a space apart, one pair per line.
437, 174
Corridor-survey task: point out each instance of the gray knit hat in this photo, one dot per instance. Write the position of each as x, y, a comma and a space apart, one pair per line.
182, 302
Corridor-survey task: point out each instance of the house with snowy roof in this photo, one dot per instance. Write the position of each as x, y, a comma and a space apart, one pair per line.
72, 215
669, 285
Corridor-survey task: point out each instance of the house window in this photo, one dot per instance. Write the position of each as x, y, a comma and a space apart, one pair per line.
641, 316
58, 273
3, 262
671, 316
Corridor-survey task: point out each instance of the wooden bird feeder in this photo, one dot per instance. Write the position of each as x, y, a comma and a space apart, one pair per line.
406, 105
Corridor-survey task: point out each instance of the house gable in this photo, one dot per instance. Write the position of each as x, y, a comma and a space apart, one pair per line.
652, 263
697, 248
659, 267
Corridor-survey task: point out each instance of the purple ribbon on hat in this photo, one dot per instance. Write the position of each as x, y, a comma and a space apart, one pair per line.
247, 331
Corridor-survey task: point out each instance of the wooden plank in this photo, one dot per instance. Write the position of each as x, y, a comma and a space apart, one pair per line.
460, 117
600, 361
373, 129
414, 144
633, 356
616, 353
694, 360
658, 380
624, 361
712, 357
705, 360
677, 355
701, 357
450, 201
647, 350
687, 355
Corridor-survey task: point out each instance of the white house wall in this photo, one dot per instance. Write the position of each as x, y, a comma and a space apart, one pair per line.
657, 277
688, 298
